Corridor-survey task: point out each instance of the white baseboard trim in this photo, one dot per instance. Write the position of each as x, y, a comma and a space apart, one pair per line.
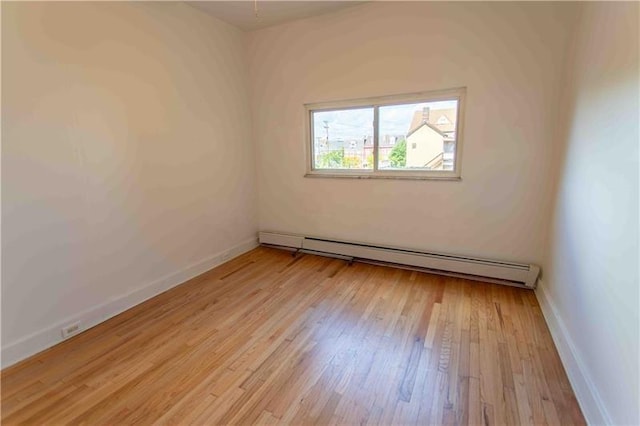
44, 339
586, 392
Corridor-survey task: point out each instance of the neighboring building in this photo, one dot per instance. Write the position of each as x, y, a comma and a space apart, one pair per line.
425, 146
431, 139
357, 153
387, 142
443, 119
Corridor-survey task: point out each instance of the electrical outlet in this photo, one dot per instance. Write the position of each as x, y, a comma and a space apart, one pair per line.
70, 330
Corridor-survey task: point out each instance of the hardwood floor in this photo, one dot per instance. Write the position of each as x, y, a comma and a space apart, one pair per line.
267, 338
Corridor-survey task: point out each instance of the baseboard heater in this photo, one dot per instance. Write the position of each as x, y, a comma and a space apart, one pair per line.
515, 274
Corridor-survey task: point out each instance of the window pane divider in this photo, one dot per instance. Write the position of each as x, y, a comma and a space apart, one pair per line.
375, 139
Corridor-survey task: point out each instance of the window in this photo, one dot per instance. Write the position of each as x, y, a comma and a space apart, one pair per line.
368, 138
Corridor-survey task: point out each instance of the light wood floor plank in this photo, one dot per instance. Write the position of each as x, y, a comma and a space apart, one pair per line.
271, 339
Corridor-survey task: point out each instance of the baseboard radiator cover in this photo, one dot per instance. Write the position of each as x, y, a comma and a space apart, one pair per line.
495, 271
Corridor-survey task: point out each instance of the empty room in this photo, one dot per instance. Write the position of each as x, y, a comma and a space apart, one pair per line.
323, 212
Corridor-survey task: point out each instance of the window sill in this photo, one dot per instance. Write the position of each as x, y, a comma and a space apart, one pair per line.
381, 176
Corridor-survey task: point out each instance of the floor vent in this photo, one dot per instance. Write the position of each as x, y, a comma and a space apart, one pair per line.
495, 271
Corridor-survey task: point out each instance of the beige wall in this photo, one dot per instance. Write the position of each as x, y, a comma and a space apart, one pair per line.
591, 280
126, 157
509, 57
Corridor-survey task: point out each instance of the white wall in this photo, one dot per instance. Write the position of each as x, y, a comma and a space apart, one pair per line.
508, 55
126, 159
591, 280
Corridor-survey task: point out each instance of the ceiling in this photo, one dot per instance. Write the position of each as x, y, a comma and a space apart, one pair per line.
242, 14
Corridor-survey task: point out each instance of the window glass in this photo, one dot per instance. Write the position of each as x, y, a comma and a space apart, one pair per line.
404, 136
427, 129
343, 139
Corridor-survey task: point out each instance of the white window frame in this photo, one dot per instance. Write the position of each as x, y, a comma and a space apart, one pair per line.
457, 94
